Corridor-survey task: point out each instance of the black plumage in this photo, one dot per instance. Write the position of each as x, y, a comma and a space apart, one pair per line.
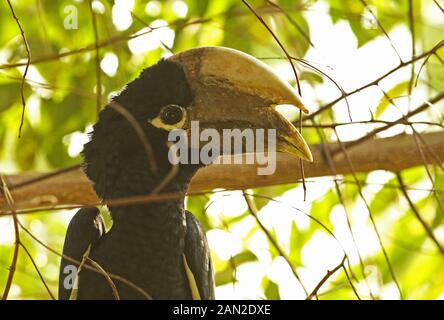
158, 246
196, 252
84, 230
147, 241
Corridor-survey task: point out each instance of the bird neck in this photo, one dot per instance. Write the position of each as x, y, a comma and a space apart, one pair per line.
137, 180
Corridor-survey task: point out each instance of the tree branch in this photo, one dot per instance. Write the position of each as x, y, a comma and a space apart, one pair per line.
392, 154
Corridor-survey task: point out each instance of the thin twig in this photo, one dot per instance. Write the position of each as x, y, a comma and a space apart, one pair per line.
331, 164
262, 21
179, 23
125, 201
325, 278
439, 6
343, 93
275, 37
412, 35
151, 28
438, 161
418, 216
364, 2
373, 121
42, 279
372, 219
253, 211
12, 267
140, 134
350, 282
416, 136
106, 276
292, 22
374, 82
43, 177
374, 132
28, 61
97, 58
91, 47
91, 268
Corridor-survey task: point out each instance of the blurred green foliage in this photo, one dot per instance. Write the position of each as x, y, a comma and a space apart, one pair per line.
60, 95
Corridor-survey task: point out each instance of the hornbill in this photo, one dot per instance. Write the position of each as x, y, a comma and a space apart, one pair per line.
158, 246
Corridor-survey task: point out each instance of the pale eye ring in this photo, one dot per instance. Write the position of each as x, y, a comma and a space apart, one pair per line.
171, 114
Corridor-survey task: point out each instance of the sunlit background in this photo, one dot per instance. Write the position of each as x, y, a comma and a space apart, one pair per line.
343, 39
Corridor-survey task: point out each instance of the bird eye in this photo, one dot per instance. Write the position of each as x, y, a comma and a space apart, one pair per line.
171, 114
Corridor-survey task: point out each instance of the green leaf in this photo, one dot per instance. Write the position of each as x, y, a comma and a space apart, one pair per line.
297, 241
27, 148
384, 198
264, 194
226, 275
271, 289
196, 204
312, 77
393, 93
320, 209
10, 93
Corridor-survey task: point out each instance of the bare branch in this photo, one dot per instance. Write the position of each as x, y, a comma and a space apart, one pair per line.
404, 118
329, 105
392, 154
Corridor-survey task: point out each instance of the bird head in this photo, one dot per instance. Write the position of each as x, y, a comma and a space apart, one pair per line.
221, 88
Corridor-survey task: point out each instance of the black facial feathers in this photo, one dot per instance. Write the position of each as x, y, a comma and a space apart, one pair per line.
161, 84
115, 149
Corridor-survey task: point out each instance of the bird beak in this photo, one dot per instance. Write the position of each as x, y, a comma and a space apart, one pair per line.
234, 90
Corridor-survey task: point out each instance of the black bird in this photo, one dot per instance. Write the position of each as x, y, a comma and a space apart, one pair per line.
158, 249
